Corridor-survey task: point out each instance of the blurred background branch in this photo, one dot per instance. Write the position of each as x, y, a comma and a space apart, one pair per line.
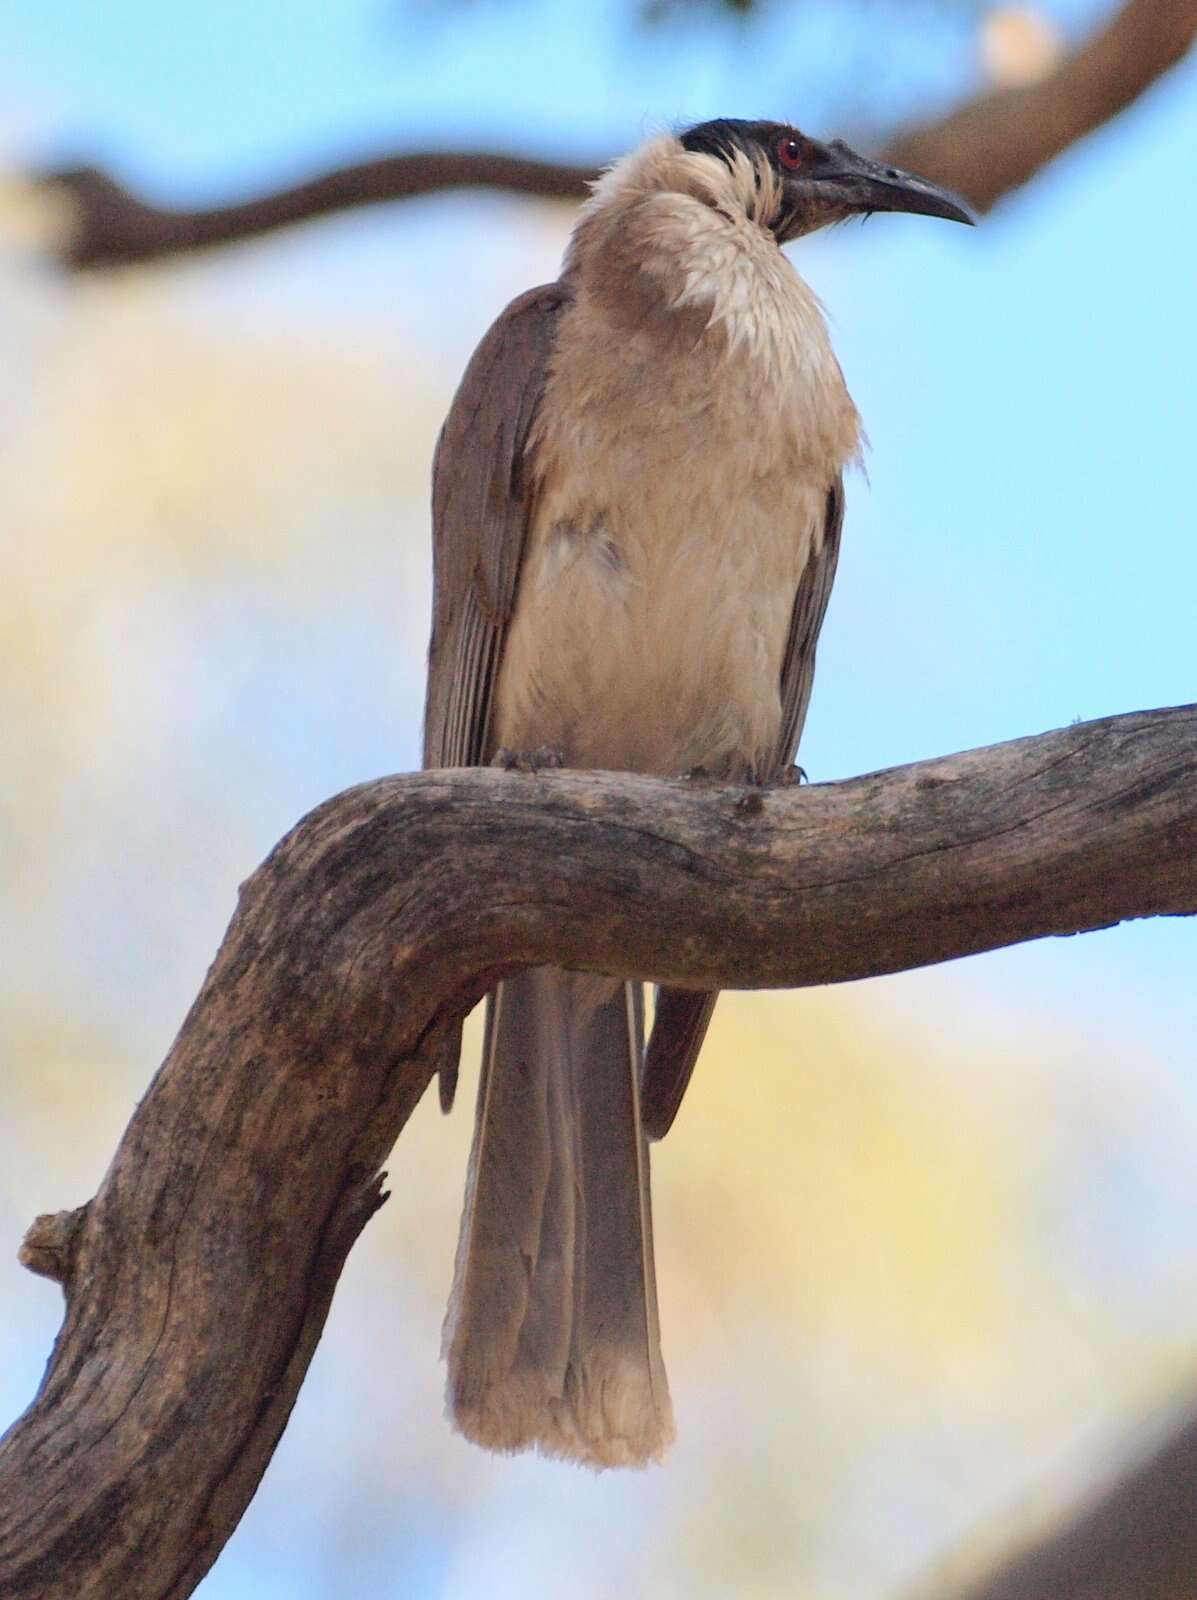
107, 226
986, 148
1135, 1540
995, 143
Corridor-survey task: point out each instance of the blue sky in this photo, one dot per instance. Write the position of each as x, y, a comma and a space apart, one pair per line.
194, 97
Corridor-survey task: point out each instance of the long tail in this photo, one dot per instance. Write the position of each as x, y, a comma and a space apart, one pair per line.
551, 1334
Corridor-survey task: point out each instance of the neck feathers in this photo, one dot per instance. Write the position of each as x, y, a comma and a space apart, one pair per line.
674, 248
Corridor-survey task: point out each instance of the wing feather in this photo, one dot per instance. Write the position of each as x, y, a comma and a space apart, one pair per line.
806, 619
482, 488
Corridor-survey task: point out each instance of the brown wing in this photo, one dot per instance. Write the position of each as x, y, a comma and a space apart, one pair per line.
683, 1015
480, 492
481, 488
806, 619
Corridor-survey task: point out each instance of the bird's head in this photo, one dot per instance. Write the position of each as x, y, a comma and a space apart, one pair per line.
797, 184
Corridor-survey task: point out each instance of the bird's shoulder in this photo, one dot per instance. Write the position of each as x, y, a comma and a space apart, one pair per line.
512, 350
479, 469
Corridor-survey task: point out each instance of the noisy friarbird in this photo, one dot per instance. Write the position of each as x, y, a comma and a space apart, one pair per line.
637, 502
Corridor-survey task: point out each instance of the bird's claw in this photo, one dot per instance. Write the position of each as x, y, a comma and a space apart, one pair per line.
543, 758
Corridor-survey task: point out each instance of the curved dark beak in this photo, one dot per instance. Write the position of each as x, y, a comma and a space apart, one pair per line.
860, 184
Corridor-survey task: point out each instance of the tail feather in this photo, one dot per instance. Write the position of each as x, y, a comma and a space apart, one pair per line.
551, 1335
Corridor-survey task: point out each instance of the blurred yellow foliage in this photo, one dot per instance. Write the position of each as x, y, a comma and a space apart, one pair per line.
813, 1140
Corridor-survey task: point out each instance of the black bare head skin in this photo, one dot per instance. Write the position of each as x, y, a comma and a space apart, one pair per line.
821, 183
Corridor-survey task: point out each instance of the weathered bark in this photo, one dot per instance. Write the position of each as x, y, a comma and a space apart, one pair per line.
198, 1279
986, 148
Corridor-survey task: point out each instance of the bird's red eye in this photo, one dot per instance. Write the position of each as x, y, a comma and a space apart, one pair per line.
789, 151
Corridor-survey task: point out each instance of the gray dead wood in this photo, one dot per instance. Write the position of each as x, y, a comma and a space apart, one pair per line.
198, 1279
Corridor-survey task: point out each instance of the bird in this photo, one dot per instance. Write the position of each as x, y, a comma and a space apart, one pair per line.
637, 505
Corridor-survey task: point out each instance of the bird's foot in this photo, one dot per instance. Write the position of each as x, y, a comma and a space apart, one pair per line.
543, 758
791, 777
752, 801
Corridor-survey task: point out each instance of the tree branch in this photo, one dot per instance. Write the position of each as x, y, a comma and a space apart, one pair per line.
111, 227
985, 149
198, 1279
1136, 1540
